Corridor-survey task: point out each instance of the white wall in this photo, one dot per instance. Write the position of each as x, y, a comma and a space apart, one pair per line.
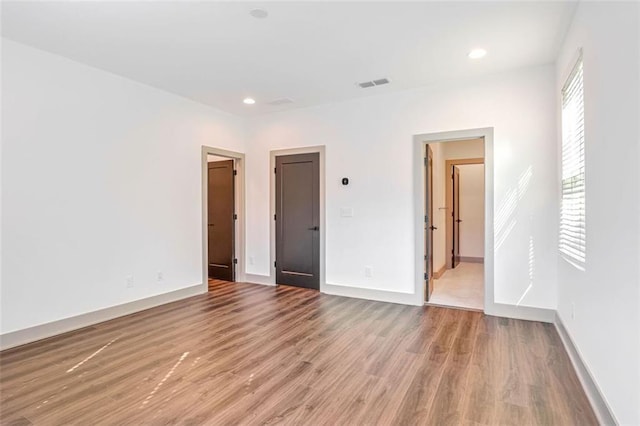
101, 178
472, 210
370, 141
606, 296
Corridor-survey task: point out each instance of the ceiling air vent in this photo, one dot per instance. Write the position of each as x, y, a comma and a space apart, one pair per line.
378, 82
366, 84
281, 101
381, 81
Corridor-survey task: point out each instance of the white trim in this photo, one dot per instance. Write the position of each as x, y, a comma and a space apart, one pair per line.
239, 200
419, 152
369, 294
471, 259
594, 394
259, 279
43, 331
320, 149
527, 313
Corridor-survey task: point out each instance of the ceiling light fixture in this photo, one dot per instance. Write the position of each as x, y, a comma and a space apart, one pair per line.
259, 13
249, 101
477, 53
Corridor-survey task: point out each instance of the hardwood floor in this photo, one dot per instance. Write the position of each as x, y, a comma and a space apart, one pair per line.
215, 283
252, 354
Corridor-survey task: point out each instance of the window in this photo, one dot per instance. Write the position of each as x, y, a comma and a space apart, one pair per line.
572, 209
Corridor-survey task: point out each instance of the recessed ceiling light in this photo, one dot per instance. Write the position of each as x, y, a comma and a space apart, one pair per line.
477, 53
249, 101
259, 13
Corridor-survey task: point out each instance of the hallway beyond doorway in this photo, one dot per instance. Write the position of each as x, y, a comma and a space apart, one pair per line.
461, 287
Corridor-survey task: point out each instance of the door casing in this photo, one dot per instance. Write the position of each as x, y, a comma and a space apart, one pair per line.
239, 207
320, 149
420, 141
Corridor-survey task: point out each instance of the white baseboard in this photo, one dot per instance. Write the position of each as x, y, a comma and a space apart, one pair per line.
592, 390
259, 279
520, 312
471, 259
370, 294
42, 331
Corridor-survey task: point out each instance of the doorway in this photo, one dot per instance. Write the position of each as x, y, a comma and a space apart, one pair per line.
223, 236
297, 220
454, 197
454, 221
221, 217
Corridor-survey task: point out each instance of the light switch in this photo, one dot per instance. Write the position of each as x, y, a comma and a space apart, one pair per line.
346, 212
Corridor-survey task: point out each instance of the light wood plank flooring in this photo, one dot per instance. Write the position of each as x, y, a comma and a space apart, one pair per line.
252, 354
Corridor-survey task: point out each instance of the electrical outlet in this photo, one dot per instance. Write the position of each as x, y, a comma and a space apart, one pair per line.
573, 310
368, 272
129, 281
160, 276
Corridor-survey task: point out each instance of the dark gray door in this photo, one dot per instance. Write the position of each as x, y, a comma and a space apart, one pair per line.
298, 220
221, 222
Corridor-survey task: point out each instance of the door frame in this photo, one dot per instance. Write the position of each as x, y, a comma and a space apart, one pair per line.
448, 224
239, 201
419, 152
320, 149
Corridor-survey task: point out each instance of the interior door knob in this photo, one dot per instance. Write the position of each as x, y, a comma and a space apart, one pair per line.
433, 228
314, 228
458, 220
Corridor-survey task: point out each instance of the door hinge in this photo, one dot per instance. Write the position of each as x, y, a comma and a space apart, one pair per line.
235, 172
425, 257
426, 219
425, 276
235, 216
274, 170
275, 264
425, 161
235, 261
274, 217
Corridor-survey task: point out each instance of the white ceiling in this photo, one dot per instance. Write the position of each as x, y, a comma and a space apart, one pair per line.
313, 53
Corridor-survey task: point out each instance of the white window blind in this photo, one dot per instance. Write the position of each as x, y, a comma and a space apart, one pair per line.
572, 210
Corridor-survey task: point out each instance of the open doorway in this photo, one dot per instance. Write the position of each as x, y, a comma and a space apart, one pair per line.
223, 217
454, 223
